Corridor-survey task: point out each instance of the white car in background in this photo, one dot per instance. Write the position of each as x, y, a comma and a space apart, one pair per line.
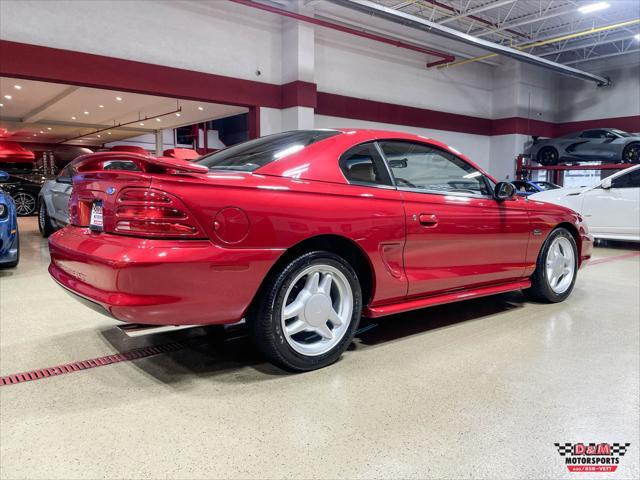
611, 209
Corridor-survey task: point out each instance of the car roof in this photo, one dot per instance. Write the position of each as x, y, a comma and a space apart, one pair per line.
326, 152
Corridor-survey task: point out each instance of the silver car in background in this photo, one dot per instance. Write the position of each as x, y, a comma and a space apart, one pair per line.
53, 213
600, 144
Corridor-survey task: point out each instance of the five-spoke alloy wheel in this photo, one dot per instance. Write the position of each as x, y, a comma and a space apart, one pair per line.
556, 268
308, 312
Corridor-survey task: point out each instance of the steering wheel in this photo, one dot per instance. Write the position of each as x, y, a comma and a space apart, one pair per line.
405, 182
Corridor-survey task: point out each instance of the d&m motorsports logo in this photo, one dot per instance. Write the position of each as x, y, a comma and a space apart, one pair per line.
592, 457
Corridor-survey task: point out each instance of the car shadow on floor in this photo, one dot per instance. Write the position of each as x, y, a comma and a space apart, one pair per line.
226, 354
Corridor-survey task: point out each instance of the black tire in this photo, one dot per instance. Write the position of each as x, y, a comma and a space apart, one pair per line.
547, 156
540, 289
631, 153
26, 203
44, 220
265, 319
17, 260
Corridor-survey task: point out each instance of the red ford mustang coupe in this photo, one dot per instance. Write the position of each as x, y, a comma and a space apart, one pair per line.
301, 233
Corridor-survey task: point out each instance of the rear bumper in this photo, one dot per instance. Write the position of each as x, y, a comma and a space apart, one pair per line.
158, 282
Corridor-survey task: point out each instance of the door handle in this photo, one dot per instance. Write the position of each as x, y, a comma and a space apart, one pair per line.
428, 219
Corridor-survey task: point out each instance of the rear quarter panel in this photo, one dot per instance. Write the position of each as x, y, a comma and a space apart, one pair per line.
283, 212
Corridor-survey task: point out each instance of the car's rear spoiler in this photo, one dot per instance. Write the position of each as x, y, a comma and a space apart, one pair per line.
92, 162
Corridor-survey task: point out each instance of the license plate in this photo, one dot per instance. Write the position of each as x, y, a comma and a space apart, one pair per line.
96, 221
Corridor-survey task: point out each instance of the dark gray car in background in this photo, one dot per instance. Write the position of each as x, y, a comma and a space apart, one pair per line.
53, 212
608, 145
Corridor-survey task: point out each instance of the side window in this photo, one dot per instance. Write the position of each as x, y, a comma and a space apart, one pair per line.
363, 165
419, 166
593, 134
629, 180
66, 174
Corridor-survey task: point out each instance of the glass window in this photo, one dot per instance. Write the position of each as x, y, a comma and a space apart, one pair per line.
420, 166
628, 180
364, 165
67, 173
547, 185
251, 155
593, 134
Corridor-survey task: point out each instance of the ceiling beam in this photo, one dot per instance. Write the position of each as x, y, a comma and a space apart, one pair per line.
598, 57
473, 11
587, 45
61, 123
524, 21
39, 112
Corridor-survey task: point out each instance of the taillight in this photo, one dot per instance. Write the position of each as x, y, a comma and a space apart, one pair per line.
153, 213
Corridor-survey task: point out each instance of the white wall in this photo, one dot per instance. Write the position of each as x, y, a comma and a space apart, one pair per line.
212, 37
584, 101
351, 66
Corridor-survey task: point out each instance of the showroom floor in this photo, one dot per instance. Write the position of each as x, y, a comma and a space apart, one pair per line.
411, 399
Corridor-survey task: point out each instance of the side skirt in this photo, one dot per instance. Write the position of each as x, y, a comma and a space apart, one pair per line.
415, 304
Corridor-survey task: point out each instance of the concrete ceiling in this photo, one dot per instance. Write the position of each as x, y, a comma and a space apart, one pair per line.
50, 113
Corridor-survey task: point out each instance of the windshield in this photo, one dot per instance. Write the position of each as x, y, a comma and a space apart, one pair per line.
251, 155
621, 133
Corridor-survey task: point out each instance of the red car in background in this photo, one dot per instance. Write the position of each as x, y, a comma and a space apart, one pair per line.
303, 232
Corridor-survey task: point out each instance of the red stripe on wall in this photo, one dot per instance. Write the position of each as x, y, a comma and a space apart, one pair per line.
349, 107
34, 62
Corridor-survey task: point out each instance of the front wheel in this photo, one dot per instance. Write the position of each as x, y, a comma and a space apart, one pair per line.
556, 268
547, 156
307, 315
631, 153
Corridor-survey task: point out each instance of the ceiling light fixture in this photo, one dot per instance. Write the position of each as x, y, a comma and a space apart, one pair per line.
100, 106
177, 114
201, 108
108, 133
99, 135
73, 118
158, 119
41, 131
49, 128
1, 104
119, 99
8, 97
594, 7
637, 37
17, 87
141, 124
86, 113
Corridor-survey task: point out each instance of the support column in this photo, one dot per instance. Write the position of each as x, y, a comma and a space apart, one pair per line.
159, 143
298, 64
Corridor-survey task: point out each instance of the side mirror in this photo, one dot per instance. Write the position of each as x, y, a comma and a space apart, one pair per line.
4, 176
505, 191
606, 183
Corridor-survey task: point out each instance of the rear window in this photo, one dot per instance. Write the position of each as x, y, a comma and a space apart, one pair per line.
251, 155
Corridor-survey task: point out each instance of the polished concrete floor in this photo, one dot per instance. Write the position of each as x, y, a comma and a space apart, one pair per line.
480, 389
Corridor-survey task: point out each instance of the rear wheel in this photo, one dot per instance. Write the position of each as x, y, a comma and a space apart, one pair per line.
556, 268
547, 156
308, 313
631, 153
44, 221
26, 203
